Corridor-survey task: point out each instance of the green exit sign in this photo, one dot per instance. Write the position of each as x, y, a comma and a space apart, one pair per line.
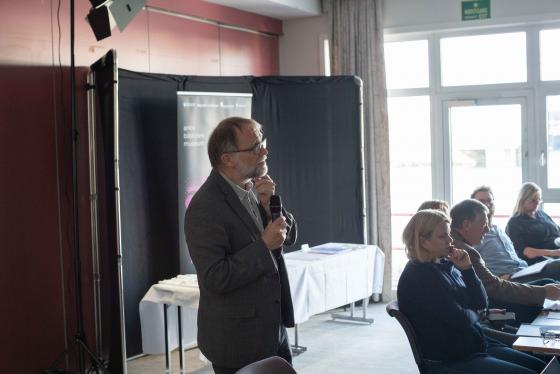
475, 9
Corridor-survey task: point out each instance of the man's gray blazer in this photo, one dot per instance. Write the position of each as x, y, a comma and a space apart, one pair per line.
243, 297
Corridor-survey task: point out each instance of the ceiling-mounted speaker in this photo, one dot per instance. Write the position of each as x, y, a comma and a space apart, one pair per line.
105, 14
98, 19
97, 3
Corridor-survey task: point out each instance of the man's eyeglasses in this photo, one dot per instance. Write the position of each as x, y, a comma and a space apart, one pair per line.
256, 149
486, 201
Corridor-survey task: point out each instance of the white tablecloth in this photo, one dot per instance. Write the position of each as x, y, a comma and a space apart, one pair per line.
321, 282
318, 282
181, 290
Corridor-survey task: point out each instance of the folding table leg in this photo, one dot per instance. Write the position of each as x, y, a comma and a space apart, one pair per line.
351, 317
181, 355
167, 353
365, 303
296, 348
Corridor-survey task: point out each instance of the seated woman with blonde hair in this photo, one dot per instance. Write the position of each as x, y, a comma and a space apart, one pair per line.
533, 233
441, 295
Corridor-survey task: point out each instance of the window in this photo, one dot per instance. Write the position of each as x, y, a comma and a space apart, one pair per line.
553, 210
483, 59
406, 64
553, 140
550, 54
482, 154
411, 165
472, 113
325, 55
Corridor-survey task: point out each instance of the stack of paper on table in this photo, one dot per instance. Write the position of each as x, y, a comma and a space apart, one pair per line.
551, 304
528, 330
330, 248
530, 270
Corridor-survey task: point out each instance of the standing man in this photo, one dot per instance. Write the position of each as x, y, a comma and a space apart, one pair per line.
245, 303
469, 224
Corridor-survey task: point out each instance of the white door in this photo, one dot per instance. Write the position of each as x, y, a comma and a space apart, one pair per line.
484, 144
548, 154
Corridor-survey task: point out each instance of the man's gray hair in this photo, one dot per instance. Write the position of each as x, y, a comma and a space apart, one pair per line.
466, 210
224, 137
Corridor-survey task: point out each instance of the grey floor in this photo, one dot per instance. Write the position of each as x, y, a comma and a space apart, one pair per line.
332, 347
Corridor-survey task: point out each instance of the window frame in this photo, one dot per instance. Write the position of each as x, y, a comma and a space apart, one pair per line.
533, 92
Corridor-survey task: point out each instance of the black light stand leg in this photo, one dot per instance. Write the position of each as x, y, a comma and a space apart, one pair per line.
80, 336
75, 211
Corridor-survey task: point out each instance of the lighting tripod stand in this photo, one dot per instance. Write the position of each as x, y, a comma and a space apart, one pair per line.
79, 343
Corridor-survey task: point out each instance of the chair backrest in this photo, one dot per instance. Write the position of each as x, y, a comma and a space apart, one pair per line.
394, 311
271, 365
553, 367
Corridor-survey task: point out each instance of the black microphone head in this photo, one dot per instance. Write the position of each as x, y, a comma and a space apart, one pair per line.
275, 206
276, 201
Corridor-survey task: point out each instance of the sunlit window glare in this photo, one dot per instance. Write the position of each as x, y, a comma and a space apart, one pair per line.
406, 64
483, 59
482, 153
553, 139
550, 54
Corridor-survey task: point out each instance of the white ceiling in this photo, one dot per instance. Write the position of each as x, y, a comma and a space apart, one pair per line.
279, 9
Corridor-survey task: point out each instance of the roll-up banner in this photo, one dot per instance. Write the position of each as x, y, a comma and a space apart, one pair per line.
198, 113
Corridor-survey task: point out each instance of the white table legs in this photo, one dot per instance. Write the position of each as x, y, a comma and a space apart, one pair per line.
351, 317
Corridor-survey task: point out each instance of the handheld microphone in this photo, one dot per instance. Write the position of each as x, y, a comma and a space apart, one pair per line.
275, 206
276, 212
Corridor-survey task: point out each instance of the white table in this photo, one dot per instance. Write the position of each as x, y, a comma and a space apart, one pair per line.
180, 291
318, 282
321, 282
530, 338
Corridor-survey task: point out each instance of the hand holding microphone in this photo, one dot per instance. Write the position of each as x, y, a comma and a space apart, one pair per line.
265, 188
275, 232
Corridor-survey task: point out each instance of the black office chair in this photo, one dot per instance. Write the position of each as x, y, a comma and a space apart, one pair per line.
394, 311
271, 365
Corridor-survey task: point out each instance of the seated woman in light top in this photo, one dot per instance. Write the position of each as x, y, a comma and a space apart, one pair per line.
533, 233
441, 295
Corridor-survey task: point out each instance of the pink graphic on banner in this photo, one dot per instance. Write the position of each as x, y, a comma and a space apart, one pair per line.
189, 193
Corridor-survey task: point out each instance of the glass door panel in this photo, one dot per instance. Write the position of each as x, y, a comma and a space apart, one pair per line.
553, 141
486, 149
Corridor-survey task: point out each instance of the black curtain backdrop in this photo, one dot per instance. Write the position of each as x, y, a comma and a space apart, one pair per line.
313, 129
312, 126
148, 189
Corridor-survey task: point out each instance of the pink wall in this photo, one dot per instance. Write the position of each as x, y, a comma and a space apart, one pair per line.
35, 147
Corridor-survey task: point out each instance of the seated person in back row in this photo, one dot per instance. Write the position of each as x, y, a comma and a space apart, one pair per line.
441, 295
498, 251
533, 233
440, 205
469, 223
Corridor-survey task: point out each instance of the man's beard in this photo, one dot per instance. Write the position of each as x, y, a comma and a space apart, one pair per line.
259, 171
